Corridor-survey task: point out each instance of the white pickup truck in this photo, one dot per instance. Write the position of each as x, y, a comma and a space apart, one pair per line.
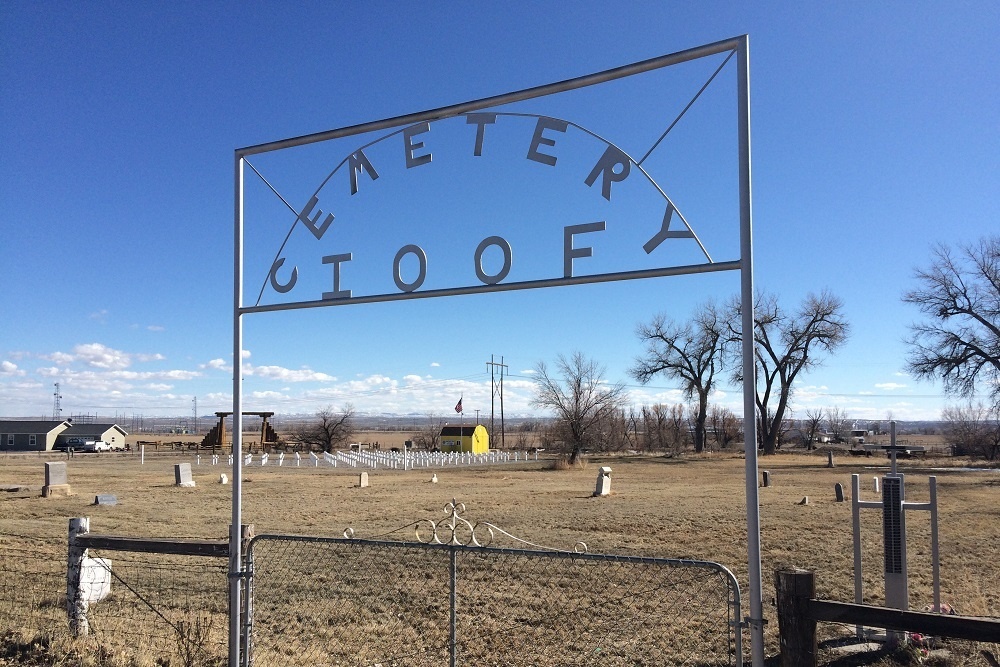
96, 446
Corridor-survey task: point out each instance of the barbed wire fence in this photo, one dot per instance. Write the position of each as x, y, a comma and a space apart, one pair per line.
171, 609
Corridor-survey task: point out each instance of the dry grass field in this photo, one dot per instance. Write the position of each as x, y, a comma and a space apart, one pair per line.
685, 507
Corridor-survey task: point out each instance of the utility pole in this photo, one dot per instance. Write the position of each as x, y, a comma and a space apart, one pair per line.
195, 410
497, 371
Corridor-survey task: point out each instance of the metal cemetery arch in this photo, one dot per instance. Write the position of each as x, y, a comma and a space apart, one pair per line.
613, 167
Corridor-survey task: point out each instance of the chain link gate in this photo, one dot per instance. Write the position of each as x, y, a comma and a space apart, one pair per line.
451, 597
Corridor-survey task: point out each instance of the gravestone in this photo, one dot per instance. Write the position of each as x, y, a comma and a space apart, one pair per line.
434, 478
839, 490
765, 478
875, 480
105, 499
56, 481
829, 459
182, 474
223, 479
363, 480
603, 482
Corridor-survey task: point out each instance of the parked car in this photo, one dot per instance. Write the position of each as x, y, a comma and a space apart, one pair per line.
96, 446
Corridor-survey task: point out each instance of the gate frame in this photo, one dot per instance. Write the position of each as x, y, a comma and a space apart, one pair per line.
740, 45
454, 546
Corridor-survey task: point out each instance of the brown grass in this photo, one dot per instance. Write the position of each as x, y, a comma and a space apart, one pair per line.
684, 507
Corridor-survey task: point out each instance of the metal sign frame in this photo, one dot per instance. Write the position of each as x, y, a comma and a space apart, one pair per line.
736, 45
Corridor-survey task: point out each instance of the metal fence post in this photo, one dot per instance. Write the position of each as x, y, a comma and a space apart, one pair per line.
452, 634
246, 613
76, 601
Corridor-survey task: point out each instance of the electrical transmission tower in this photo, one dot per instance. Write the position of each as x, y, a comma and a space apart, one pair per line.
497, 371
194, 409
56, 408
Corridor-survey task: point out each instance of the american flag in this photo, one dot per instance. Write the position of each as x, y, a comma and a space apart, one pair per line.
458, 406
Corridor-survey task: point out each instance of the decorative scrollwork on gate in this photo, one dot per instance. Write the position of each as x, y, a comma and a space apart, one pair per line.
456, 530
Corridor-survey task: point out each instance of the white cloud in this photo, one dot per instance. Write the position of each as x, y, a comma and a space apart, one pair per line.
150, 357
218, 364
177, 375
156, 386
100, 316
267, 395
889, 386
412, 379
435, 364
59, 358
102, 356
10, 369
49, 372
289, 375
156, 327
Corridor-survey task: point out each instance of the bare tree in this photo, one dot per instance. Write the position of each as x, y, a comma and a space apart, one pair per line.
973, 430
960, 343
726, 426
329, 430
612, 431
678, 434
654, 427
837, 423
814, 417
426, 437
693, 352
786, 345
577, 392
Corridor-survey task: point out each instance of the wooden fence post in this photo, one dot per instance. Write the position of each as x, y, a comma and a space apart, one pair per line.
76, 601
797, 632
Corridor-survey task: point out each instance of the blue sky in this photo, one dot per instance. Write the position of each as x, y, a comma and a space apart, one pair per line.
875, 135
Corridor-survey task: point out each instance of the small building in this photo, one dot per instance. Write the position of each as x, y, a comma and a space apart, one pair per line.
473, 439
78, 433
30, 436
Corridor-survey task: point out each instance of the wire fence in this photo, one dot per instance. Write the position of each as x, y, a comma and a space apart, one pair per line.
32, 586
333, 601
159, 609
344, 601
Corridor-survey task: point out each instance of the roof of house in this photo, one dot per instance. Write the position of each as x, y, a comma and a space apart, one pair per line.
459, 430
93, 428
31, 426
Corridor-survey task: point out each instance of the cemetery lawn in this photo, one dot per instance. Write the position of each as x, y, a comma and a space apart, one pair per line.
689, 507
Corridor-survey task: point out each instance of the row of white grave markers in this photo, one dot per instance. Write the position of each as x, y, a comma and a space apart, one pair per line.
390, 460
